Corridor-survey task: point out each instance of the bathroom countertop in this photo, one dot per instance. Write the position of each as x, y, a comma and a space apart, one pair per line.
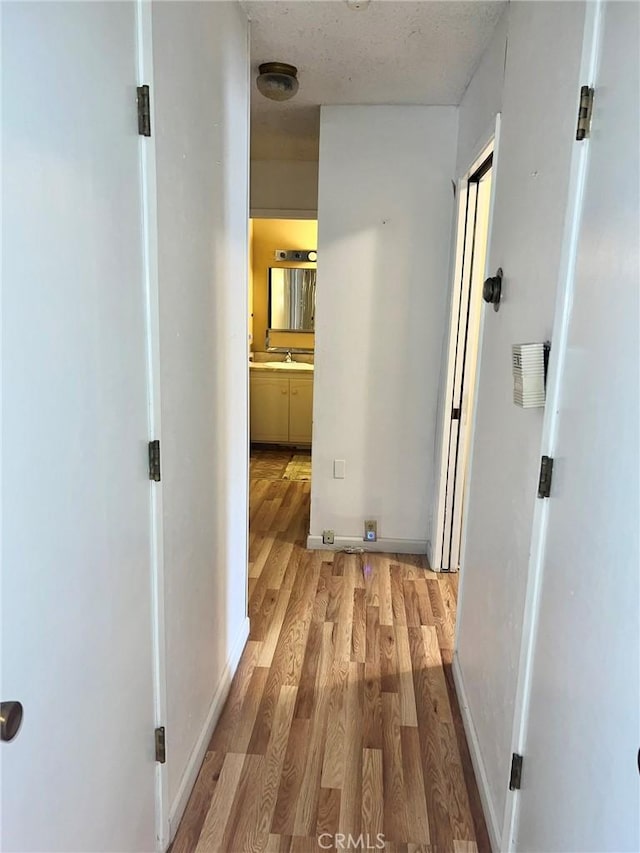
282, 366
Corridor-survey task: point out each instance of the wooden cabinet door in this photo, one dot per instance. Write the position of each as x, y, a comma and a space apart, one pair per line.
269, 408
300, 410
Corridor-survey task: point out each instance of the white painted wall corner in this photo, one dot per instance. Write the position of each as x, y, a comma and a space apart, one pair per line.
197, 756
493, 825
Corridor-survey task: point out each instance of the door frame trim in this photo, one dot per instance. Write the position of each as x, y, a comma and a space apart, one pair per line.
149, 225
476, 755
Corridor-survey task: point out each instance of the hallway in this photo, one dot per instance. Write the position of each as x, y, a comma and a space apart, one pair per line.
342, 716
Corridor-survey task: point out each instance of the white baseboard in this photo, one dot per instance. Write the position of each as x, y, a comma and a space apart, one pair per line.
387, 546
493, 827
197, 755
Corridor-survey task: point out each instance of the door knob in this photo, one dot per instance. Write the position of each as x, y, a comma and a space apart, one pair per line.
10, 720
492, 289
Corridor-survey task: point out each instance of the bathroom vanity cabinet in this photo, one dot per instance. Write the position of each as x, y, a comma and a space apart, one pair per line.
281, 407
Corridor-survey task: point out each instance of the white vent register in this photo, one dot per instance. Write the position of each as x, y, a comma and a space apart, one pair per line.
528, 375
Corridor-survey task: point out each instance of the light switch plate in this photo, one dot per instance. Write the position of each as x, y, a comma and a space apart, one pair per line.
339, 467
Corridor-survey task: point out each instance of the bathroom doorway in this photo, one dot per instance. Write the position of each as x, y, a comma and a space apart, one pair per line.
282, 270
282, 280
464, 338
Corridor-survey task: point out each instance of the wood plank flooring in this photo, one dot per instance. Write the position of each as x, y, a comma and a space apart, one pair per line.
342, 719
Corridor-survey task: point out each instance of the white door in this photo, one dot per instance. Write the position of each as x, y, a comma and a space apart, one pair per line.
76, 607
580, 787
463, 354
469, 333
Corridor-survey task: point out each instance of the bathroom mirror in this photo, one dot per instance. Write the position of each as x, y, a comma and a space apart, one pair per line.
292, 299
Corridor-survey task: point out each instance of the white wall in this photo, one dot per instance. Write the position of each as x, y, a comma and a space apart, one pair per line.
284, 187
385, 204
482, 99
201, 132
537, 138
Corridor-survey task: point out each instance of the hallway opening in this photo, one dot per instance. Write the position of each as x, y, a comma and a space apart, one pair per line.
281, 352
342, 718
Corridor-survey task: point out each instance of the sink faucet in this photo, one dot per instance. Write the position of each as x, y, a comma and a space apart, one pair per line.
287, 357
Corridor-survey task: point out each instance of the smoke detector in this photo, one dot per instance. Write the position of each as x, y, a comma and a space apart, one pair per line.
277, 80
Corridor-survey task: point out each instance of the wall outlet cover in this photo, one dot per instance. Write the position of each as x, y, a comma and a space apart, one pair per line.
339, 466
370, 531
328, 537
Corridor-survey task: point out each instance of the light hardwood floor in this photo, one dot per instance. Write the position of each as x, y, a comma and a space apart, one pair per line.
342, 717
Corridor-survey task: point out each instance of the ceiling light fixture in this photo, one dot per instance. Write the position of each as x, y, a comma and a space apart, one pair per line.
277, 80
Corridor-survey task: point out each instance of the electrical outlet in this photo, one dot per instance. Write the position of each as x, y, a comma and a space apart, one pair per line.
371, 531
328, 537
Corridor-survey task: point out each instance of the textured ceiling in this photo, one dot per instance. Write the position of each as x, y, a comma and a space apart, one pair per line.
392, 52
